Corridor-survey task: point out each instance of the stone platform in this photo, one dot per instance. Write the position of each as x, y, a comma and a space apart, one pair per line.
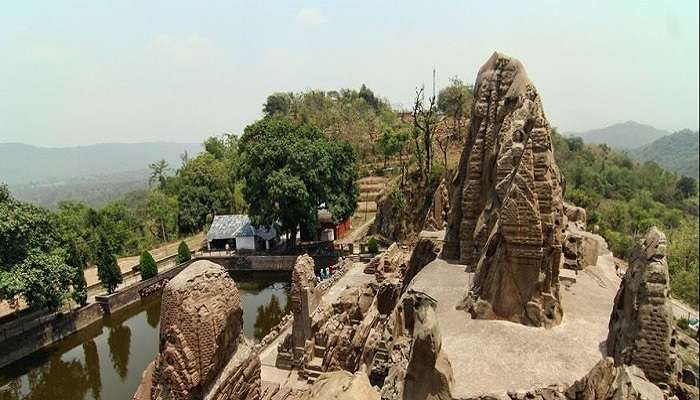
494, 357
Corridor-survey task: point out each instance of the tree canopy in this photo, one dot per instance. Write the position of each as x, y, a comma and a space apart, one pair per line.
292, 169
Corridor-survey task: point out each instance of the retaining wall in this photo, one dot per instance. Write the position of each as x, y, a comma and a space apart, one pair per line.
129, 295
237, 262
24, 339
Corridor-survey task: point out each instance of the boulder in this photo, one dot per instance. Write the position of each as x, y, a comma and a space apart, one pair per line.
506, 213
606, 381
575, 214
341, 385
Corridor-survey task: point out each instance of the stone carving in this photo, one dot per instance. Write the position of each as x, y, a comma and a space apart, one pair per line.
304, 298
202, 351
506, 212
641, 330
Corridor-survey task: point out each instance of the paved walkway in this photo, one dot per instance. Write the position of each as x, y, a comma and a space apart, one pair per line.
269, 372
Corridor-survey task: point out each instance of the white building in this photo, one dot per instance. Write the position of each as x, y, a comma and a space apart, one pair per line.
239, 234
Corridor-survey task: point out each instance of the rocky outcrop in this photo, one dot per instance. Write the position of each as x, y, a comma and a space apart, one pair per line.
506, 212
419, 369
429, 372
402, 211
202, 351
608, 381
436, 219
575, 215
641, 330
580, 249
426, 250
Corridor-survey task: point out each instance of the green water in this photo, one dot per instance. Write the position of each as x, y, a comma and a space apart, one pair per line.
106, 360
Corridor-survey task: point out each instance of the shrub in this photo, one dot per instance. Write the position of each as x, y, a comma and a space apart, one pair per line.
682, 323
148, 266
183, 253
108, 270
373, 245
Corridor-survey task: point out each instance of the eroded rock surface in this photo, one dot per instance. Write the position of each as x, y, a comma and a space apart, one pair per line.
608, 381
641, 329
436, 219
202, 351
506, 212
341, 385
304, 299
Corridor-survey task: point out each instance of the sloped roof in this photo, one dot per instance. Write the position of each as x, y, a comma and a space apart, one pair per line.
238, 225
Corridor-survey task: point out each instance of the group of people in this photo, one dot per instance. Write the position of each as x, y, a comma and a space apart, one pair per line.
323, 274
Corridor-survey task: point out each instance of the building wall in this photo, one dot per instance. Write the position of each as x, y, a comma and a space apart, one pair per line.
245, 243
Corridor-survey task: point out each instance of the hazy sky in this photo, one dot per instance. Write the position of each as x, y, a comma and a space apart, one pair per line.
80, 72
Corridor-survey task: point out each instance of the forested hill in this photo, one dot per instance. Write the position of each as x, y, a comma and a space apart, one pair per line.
626, 135
677, 152
25, 164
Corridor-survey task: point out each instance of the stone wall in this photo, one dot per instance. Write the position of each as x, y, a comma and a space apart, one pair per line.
24, 339
265, 263
131, 294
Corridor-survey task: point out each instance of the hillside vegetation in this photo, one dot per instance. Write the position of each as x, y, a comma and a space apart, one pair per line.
624, 198
678, 152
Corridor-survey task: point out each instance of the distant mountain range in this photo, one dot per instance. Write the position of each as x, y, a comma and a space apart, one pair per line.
677, 152
95, 174
626, 135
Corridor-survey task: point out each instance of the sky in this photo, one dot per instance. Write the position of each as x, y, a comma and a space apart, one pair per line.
83, 72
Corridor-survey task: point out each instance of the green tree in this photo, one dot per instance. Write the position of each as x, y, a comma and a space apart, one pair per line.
278, 103
205, 190
455, 99
686, 187
162, 209
107, 267
32, 263
76, 258
147, 266
159, 171
291, 169
183, 253
42, 279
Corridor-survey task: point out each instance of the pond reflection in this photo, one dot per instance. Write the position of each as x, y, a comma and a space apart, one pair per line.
105, 361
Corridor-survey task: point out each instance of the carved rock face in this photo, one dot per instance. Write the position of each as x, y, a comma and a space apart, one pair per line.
641, 330
506, 210
200, 323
